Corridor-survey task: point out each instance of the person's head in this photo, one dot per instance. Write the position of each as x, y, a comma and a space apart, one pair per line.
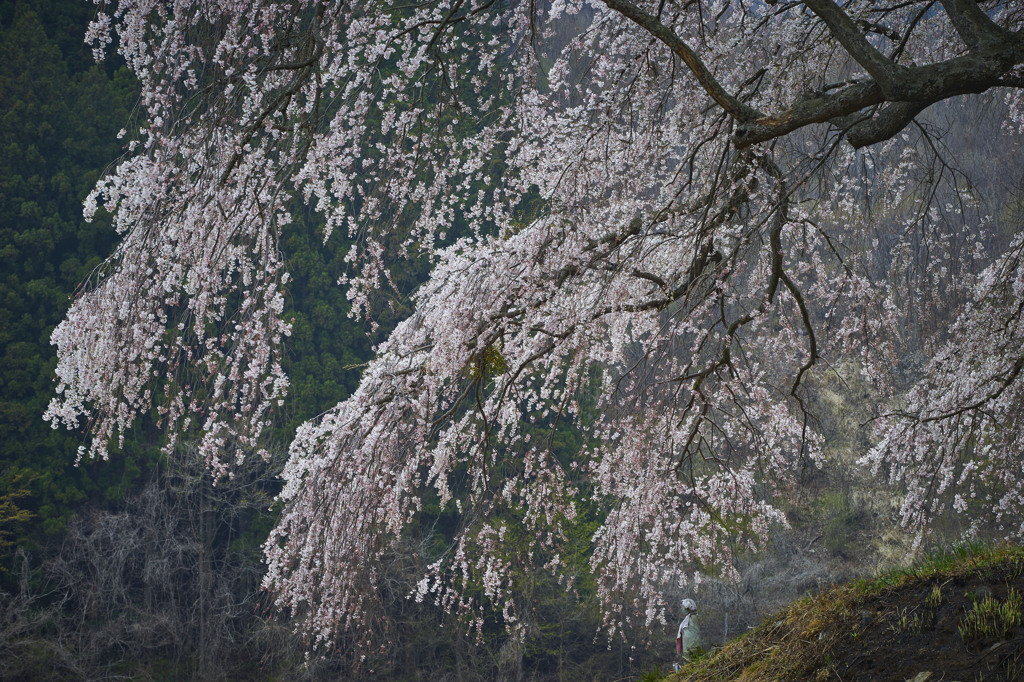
689, 605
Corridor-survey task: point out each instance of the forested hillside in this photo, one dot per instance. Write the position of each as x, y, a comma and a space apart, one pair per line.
61, 114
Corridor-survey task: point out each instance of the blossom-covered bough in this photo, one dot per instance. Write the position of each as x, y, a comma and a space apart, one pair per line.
656, 209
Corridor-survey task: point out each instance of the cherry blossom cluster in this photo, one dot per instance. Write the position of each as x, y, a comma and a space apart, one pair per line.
608, 249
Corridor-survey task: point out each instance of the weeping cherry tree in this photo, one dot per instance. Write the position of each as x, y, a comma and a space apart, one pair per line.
654, 220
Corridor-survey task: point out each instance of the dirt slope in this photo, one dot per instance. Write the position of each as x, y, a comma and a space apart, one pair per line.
957, 616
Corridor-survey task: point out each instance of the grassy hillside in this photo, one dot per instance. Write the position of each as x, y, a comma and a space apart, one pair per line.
959, 615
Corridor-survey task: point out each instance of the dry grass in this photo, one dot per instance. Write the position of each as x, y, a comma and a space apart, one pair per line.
857, 630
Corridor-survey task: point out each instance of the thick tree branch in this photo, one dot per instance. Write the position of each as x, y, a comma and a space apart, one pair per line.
734, 107
820, 109
917, 88
906, 91
891, 119
975, 28
856, 44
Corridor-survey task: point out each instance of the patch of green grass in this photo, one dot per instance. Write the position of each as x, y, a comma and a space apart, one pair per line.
992, 619
934, 597
907, 622
652, 675
961, 557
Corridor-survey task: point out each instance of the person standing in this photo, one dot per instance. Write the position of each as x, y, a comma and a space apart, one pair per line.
688, 635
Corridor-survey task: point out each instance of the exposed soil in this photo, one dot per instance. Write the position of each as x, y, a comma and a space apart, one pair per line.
913, 625
904, 635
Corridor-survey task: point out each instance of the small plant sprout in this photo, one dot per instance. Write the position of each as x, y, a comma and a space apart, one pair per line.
992, 619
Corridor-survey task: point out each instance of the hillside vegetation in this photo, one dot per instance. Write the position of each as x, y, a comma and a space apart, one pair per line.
955, 616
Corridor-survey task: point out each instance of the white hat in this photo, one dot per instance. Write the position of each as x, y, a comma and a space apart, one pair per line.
689, 605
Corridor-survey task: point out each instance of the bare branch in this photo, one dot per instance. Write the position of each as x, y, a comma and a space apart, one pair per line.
856, 44
737, 109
